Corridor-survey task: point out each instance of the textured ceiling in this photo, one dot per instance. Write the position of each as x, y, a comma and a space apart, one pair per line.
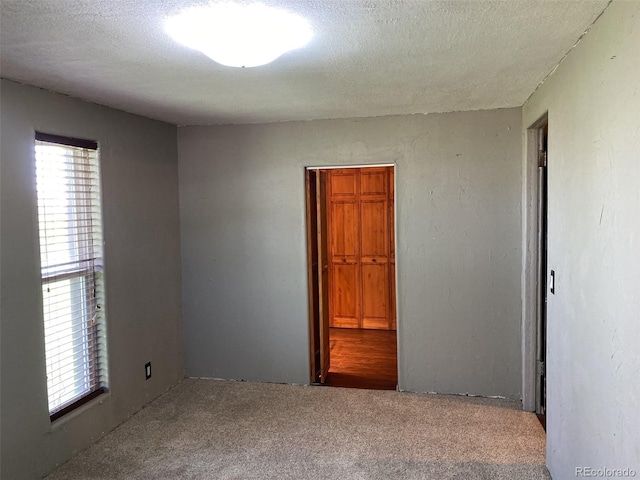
367, 57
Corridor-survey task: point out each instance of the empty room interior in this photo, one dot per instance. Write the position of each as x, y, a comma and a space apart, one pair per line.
319, 239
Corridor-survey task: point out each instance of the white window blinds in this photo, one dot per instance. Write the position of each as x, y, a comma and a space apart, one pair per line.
69, 218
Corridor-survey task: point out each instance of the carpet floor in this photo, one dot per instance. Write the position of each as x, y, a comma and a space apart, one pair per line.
208, 429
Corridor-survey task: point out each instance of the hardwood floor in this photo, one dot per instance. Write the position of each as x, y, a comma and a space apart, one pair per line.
363, 359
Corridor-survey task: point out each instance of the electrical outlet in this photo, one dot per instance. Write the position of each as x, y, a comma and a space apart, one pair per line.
147, 371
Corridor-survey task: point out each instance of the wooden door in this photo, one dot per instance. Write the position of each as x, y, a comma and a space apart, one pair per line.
361, 253
312, 272
392, 248
323, 274
344, 247
374, 254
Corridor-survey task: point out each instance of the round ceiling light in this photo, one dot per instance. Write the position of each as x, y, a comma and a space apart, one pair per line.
239, 35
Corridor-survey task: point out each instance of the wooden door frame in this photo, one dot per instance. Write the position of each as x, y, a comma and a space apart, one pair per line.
310, 284
312, 273
530, 263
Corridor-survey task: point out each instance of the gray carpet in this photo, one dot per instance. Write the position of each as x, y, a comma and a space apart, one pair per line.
207, 429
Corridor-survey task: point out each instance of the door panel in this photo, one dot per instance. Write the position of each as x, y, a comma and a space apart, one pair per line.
323, 274
392, 250
344, 230
392, 281
373, 181
360, 229
344, 183
312, 261
392, 234
344, 251
375, 294
344, 295
374, 227
374, 231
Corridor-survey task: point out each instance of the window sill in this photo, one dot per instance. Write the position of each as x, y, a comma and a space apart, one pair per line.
79, 409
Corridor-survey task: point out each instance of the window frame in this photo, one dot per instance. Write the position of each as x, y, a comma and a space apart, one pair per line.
95, 359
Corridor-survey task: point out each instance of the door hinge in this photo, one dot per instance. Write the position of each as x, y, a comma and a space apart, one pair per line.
541, 368
542, 158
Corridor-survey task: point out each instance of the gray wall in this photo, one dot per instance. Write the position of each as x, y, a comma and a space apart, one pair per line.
142, 272
593, 100
459, 245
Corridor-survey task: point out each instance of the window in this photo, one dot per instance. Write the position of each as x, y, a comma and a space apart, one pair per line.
69, 219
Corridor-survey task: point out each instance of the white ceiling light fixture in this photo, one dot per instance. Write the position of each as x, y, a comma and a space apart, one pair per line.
239, 35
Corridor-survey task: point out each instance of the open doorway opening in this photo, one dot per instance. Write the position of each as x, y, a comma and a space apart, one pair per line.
351, 257
542, 284
538, 278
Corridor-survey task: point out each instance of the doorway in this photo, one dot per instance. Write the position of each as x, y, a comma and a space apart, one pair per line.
542, 284
351, 268
538, 279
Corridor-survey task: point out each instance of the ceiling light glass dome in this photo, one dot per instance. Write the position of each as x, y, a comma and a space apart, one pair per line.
238, 35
